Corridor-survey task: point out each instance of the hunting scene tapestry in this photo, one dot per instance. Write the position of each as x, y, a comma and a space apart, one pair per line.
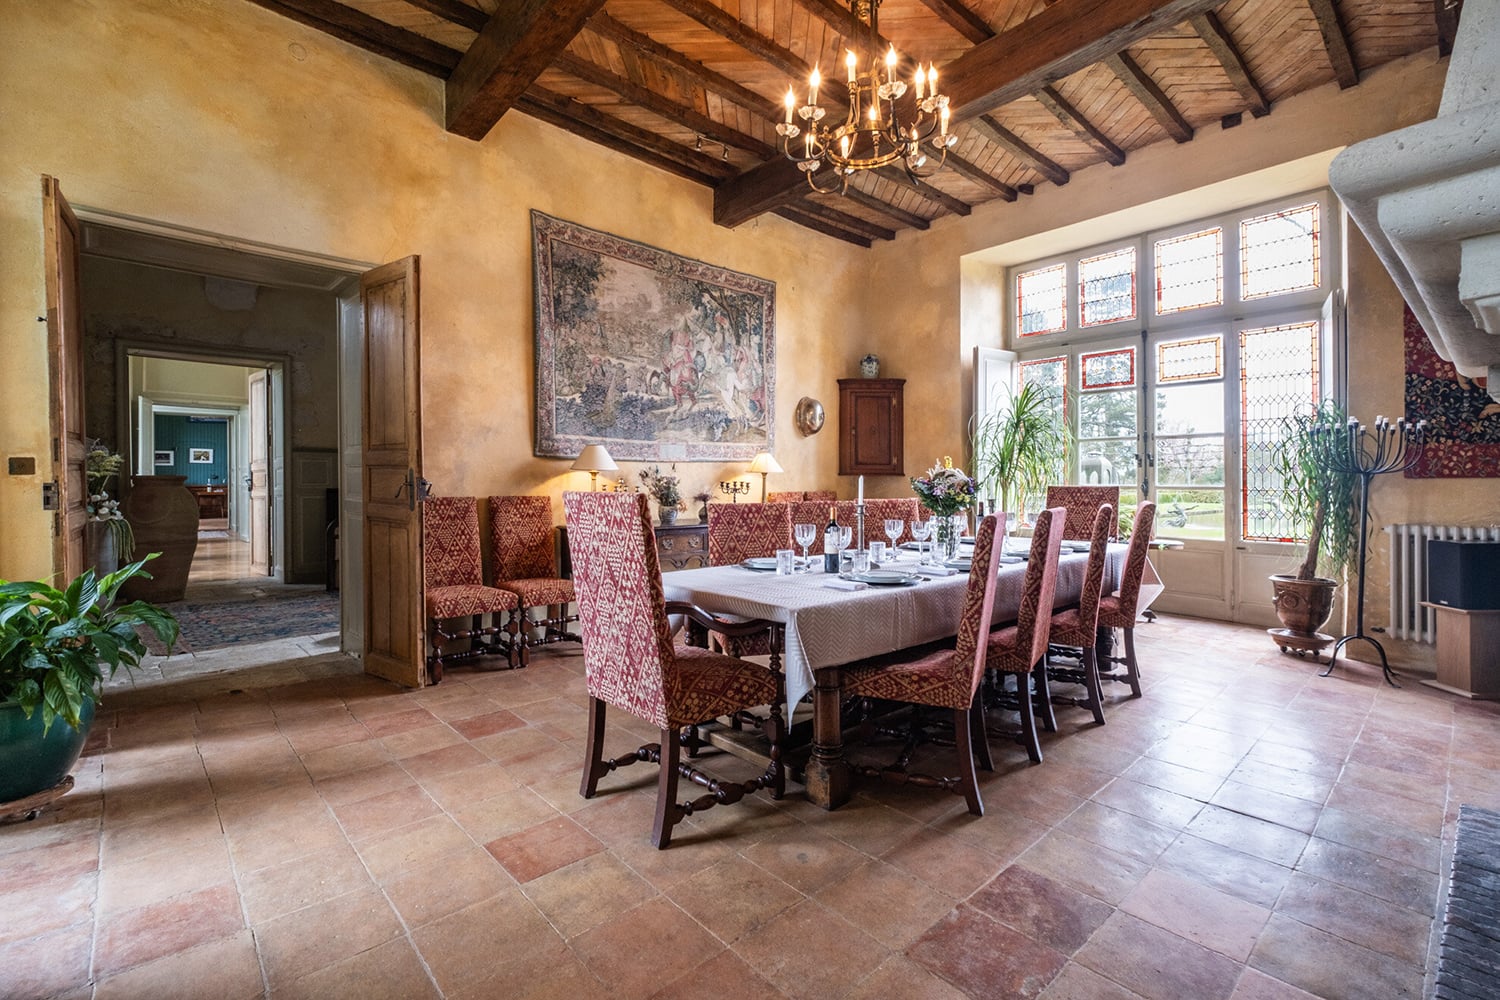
1463, 421
655, 356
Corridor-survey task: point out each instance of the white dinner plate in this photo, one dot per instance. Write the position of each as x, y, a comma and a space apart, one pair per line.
960, 564
760, 563
886, 578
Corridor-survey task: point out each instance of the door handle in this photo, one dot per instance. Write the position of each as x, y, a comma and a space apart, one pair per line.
413, 492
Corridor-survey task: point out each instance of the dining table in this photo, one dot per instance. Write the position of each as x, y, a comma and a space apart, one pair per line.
827, 626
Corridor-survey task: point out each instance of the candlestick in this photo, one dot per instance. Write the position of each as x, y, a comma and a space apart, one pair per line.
733, 488
860, 496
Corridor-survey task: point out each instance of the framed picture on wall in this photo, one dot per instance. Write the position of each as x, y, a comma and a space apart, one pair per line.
165, 458
200, 456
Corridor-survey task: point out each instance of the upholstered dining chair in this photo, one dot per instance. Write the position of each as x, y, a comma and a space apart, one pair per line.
453, 577
878, 510
943, 678
740, 531
820, 496
1119, 610
785, 496
1017, 649
811, 512
525, 563
1082, 503
1078, 628
631, 662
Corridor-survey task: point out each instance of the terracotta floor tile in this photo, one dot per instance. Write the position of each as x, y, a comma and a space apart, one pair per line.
392, 852
886, 903
1157, 805
635, 963
1272, 806
1098, 871
1120, 831
1423, 818
163, 875
1043, 909
587, 893
488, 724
954, 867
1156, 963
280, 889
455, 790
435, 763
391, 971
543, 848
1274, 843
867, 825
134, 937
1273, 777
805, 859
1252, 879
1374, 923
505, 813
1174, 778
726, 975
226, 968
402, 721
805, 951
306, 940
261, 847
1403, 885
733, 897
465, 957
48, 964
1376, 836
1079, 982
899, 976
985, 958
363, 783
1255, 985
387, 811
413, 742
332, 761
435, 888
48, 864
1189, 909
1328, 966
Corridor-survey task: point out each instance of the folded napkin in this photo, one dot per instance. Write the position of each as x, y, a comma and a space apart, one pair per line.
938, 570
837, 584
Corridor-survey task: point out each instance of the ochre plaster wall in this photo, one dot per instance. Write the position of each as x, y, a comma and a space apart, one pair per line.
221, 116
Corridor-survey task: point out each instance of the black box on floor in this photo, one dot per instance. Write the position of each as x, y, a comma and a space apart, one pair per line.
1464, 575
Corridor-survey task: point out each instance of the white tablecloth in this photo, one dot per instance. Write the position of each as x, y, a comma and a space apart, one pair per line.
826, 627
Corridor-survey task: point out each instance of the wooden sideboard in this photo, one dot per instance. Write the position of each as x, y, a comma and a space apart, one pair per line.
213, 501
683, 545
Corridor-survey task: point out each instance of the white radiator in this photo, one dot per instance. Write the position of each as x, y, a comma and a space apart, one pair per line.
1409, 620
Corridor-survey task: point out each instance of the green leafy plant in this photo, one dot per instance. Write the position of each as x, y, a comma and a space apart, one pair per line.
663, 487
1020, 446
54, 643
1321, 502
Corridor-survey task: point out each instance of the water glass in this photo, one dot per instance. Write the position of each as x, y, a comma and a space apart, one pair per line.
920, 532
805, 535
786, 562
877, 552
846, 562
861, 561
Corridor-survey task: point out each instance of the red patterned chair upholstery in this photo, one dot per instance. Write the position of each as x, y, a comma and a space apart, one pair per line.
1078, 628
820, 496
525, 563
1082, 503
878, 510
453, 576
811, 512
1120, 611
785, 496
1017, 649
631, 662
739, 531
944, 678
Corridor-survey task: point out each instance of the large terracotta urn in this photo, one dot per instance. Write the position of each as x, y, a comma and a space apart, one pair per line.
164, 515
1303, 606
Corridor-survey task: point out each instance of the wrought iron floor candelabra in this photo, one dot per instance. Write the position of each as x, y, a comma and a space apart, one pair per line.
1386, 448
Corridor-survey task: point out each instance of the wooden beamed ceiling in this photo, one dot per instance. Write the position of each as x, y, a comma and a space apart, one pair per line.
1039, 88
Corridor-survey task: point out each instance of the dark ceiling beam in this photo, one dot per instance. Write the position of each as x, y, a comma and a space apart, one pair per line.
520, 41
825, 211
1073, 119
454, 12
1216, 37
909, 219
610, 132
961, 19
605, 26
1145, 90
983, 178
793, 214
1013, 144
1335, 43
1060, 40
645, 97
368, 33
1445, 13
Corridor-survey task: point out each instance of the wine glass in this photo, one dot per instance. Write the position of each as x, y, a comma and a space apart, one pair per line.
846, 537
805, 534
893, 528
920, 532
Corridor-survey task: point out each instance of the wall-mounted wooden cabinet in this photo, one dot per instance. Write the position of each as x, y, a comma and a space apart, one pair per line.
870, 427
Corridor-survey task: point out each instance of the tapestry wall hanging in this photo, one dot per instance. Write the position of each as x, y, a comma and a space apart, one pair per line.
1463, 421
655, 356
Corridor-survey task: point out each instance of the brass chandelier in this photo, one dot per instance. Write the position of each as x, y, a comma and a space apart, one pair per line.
881, 126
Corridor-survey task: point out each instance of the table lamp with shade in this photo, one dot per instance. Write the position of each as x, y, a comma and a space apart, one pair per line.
765, 464
594, 459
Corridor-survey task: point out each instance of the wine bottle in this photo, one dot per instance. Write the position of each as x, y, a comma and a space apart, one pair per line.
831, 545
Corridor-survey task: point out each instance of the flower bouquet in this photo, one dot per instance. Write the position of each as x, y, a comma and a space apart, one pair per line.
101, 467
946, 491
663, 487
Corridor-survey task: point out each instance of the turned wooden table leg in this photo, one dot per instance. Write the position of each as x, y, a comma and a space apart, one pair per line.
828, 777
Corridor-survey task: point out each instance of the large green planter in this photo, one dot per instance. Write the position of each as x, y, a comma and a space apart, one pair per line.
31, 762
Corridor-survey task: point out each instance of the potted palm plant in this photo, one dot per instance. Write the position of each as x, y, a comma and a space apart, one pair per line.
55, 646
1019, 447
1322, 505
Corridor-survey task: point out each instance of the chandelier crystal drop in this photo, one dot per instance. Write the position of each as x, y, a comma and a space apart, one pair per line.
882, 125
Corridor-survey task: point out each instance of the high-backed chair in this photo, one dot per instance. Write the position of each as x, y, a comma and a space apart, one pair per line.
944, 678
1017, 649
739, 531
1078, 628
811, 512
785, 496
881, 509
631, 662
525, 561
1119, 610
453, 577
1082, 503
820, 496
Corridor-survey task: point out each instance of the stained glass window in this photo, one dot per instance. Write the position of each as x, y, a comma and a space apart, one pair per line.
1190, 271
1279, 252
1042, 301
1278, 377
1108, 369
1106, 288
1186, 360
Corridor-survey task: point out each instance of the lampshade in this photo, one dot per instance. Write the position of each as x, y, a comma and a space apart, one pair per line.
764, 462
594, 458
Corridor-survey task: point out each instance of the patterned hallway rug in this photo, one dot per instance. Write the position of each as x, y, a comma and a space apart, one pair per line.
214, 626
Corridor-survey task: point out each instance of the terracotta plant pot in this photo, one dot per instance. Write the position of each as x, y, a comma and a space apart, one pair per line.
1302, 605
164, 515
